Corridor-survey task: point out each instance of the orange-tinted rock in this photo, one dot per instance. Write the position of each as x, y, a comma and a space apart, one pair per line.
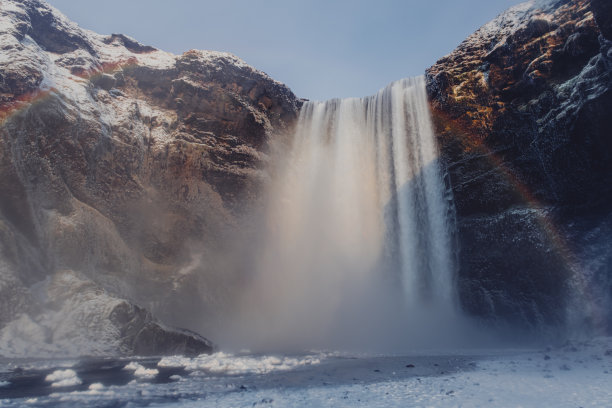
520, 108
130, 166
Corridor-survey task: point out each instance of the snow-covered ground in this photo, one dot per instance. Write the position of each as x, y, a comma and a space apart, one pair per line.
578, 374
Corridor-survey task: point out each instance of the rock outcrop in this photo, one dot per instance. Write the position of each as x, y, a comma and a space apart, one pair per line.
523, 112
129, 168
126, 173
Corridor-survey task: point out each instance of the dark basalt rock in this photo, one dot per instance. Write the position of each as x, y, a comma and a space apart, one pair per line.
51, 33
522, 112
498, 280
129, 43
142, 335
602, 10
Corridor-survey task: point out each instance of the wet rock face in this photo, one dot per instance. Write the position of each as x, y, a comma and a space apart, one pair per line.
519, 87
520, 108
142, 335
602, 10
128, 165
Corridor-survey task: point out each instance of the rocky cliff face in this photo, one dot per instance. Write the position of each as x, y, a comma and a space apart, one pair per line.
523, 111
124, 171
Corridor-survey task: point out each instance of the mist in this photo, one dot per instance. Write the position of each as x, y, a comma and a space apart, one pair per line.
353, 247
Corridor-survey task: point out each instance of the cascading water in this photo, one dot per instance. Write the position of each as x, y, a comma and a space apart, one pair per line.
357, 236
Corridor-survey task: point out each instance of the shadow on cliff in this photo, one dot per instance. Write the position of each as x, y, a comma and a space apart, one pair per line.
511, 277
523, 123
522, 239
320, 300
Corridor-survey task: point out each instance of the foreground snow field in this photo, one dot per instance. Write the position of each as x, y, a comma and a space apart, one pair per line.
577, 374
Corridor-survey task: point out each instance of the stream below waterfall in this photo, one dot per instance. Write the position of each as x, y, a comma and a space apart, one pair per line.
570, 375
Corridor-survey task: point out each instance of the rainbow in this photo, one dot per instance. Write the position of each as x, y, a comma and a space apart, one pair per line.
21, 103
470, 140
555, 236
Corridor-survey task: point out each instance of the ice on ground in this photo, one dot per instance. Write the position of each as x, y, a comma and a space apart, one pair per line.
141, 371
231, 364
94, 392
41, 365
572, 375
96, 386
63, 378
76, 315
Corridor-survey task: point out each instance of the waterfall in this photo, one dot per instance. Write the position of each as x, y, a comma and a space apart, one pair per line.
356, 236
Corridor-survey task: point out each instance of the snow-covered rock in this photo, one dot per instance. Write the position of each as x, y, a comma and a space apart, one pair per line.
123, 171
231, 364
77, 317
63, 378
141, 371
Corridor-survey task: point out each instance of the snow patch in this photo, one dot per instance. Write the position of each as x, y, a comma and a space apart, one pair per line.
63, 378
574, 374
95, 390
96, 386
79, 325
141, 371
497, 30
231, 364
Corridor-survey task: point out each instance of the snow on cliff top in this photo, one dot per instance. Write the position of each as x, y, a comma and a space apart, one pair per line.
104, 49
509, 22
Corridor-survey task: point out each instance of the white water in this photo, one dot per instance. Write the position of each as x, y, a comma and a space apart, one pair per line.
356, 243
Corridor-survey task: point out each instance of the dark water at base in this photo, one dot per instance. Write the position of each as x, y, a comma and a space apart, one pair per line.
24, 381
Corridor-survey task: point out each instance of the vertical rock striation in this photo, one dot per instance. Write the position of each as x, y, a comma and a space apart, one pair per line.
523, 108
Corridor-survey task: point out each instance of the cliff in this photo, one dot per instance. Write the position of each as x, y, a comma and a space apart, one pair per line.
522, 108
124, 171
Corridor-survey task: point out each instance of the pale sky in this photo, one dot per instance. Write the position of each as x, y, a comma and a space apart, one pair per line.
320, 48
